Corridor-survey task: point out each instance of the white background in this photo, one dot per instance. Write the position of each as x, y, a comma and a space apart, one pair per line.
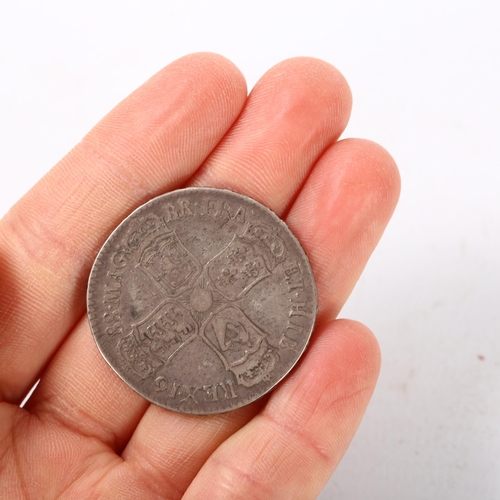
425, 77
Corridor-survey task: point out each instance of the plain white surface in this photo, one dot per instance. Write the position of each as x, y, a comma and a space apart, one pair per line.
425, 77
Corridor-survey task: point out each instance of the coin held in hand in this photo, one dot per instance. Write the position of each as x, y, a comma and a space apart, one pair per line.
202, 300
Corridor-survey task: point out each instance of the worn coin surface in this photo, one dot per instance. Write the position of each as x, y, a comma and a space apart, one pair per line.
202, 300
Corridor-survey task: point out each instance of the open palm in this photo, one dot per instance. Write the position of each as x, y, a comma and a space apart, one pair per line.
84, 433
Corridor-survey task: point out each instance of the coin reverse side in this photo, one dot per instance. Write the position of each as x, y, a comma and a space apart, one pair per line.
202, 300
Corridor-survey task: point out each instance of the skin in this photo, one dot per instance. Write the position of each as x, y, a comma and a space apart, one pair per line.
84, 433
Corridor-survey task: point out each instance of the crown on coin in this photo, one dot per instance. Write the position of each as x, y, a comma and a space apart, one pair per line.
258, 367
163, 257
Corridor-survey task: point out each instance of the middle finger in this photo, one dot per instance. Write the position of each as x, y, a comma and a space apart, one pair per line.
293, 114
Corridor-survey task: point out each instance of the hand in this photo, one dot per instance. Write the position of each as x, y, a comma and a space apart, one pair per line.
84, 433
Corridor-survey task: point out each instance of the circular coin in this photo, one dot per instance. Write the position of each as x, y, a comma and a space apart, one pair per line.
202, 300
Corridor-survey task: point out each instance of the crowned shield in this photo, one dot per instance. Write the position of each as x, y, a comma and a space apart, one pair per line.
237, 269
137, 357
241, 345
166, 330
172, 266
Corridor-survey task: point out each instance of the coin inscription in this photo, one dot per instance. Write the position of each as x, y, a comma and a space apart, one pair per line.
202, 300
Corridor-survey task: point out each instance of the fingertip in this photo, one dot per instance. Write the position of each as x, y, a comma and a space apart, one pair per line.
341, 214
381, 170
344, 353
207, 78
316, 72
213, 64
361, 351
330, 390
315, 85
335, 378
362, 173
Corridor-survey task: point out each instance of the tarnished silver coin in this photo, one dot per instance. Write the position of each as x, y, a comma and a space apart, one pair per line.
202, 300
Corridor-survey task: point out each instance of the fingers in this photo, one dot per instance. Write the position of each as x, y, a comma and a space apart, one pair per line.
151, 142
365, 175
78, 372
291, 448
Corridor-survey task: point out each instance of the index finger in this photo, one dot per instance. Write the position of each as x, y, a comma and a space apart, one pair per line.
153, 141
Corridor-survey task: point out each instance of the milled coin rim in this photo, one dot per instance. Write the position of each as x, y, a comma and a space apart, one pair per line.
98, 263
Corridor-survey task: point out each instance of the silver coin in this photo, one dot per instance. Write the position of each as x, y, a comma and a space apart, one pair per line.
202, 300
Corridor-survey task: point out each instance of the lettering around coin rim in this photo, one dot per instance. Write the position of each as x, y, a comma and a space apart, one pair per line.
202, 300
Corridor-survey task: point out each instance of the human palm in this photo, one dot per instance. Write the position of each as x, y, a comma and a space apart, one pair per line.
84, 433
